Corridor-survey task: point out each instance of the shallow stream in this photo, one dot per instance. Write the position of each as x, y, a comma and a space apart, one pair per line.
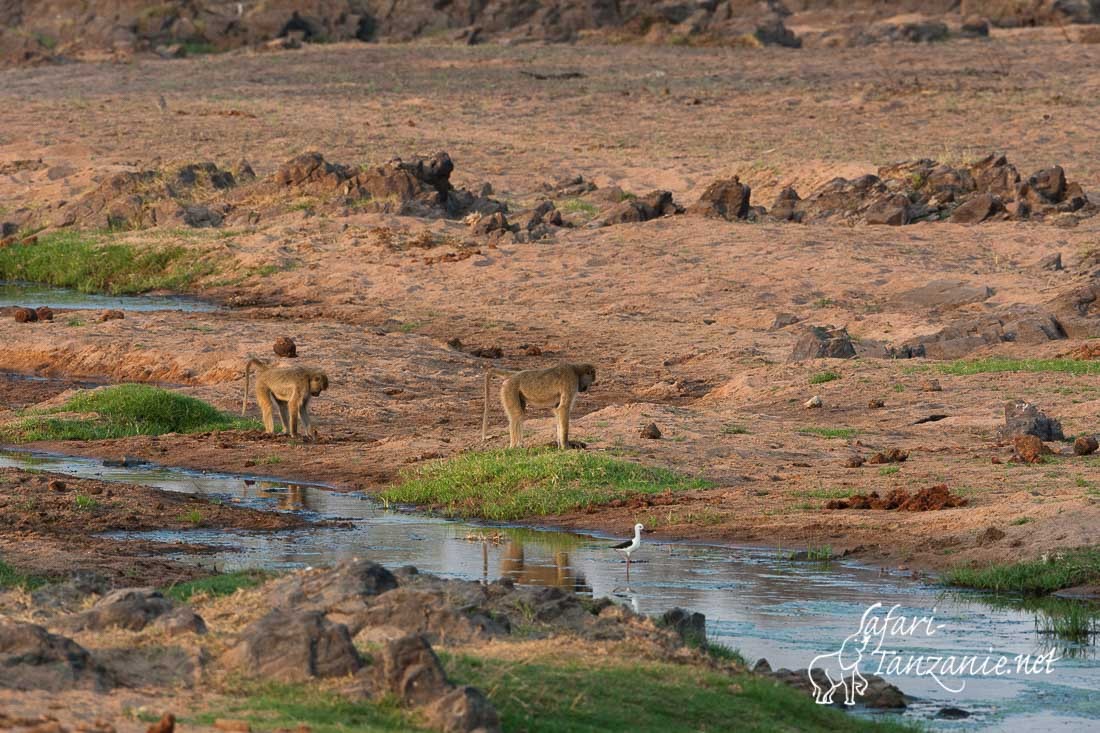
33, 295
756, 600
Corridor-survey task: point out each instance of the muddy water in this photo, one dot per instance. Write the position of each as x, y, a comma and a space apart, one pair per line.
755, 599
33, 295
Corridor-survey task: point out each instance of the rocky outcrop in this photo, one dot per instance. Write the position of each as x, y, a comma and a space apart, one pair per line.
641, 208
823, 342
1025, 418
135, 608
292, 646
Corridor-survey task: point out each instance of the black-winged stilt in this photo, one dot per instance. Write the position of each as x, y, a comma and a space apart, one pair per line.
628, 547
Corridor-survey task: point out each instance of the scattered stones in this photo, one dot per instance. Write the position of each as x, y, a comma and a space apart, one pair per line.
724, 199
813, 403
823, 342
112, 315
1024, 418
1085, 445
927, 499
1028, 449
34, 659
135, 608
651, 431
876, 404
486, 352
293, 646
285, 347
892, 455
24, 315
642, 208
878, 693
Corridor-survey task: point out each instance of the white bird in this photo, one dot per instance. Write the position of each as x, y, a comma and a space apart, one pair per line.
627, 548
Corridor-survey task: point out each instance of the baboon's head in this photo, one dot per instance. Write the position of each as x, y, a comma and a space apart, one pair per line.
586, 375
318, 383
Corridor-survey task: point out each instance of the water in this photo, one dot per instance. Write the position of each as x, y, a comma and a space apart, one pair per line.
754, 599
33, 295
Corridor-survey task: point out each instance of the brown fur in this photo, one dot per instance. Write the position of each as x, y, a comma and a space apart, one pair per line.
556, 387
290, 388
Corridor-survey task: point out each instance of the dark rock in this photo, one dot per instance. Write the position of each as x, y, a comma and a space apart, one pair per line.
893, 211
892, 455
1049, 184
977, 209
785, 207
945, 293
1085, 445
853, 461
823, 342
642, 208
34, 659
285, 347
166, 724
990, 535
8, 229
1050, 262
1024, 418
24, 315
44, 313
133, 609
492, 223
112, 315
690, 626
725, 199
342, 592
408, 669
879, 693
464, 709
952, 713
974, 26
876, 404
651, 431
293, 646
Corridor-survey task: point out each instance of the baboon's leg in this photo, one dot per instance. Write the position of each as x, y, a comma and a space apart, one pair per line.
283, 419
562, 414
303, 416
515, 408
295, 406
263, 397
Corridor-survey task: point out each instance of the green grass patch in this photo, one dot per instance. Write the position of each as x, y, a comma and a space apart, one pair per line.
734, 429
123, 410
91, 263
514, 484
889, 470
85, 502
223, 584
569, 695
830, 432
579, 206
269, 706
1001, 364
12, 578
823, 377
1060, 570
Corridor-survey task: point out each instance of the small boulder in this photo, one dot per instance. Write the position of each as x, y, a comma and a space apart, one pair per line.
1024, 418
44, 313
285, 347
410, 670
1052, 262
853, 461
823, 342
891, 455
651, 431
691, 626
34, 659
813, 403
166, 724
293, 646
112, 315
1028, 449
977, 209
724, 199
1085, 445
464, 709
134, 609
344, 592
951, 712
55, 485
990, 535
24, 315
876, 404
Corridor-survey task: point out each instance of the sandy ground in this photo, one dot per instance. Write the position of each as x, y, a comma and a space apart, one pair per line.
675, 313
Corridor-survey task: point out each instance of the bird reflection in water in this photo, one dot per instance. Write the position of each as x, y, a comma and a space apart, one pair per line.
288, 497
556, 571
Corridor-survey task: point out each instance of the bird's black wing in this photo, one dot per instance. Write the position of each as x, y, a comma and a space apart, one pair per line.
622, 545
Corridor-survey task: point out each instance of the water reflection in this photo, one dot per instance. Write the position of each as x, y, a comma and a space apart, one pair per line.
754, 599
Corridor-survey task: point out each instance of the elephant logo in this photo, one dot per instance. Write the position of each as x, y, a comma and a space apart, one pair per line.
840, 669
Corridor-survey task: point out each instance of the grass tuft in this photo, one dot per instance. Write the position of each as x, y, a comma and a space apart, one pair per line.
515, 484
830, 432
223, 584
90, 263
1061, 570
120, 411
1002, 364
12, 578
823, 377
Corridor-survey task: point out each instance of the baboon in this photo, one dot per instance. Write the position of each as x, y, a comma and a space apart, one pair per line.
555, 387
290, 388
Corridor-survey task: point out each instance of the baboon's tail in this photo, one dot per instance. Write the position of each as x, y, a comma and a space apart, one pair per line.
485, 412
